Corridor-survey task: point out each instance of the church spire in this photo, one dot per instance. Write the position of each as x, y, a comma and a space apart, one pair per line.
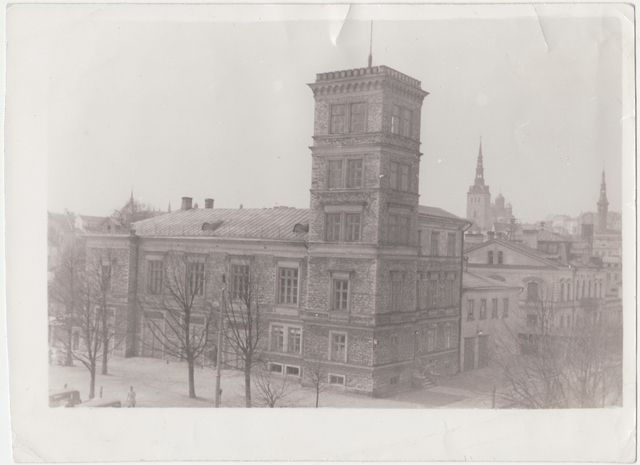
479, 181
603, 206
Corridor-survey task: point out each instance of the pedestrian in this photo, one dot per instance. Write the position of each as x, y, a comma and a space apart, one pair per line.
131, 398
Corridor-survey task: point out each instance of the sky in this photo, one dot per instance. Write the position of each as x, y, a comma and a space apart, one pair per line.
222, 109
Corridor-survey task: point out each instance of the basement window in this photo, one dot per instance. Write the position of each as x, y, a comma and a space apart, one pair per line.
336, 379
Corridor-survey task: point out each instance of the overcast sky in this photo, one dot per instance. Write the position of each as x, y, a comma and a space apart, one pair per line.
222, 109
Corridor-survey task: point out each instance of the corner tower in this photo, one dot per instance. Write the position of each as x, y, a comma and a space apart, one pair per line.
366, 158
603, 207
479, 198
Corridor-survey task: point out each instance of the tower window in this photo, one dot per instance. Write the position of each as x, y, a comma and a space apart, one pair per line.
399, 229
348, 118
451, 244
342, 226
338, 119
351, 177
406, 123
399, 176
435, 241
395, 119
340, 299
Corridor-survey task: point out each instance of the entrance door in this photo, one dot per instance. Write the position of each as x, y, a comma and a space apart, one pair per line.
483, 351
469, 353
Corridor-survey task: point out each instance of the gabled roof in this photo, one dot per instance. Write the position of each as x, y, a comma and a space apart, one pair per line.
438, 212
523, 249
474, 281
266, 223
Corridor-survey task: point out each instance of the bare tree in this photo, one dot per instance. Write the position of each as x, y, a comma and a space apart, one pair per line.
99, 270
271, 387
187, 321
316, 372
65, 290
555, 359
131, 212
244, 323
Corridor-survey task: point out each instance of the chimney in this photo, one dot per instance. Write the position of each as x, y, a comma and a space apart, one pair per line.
491, 235
186, 203
208, 203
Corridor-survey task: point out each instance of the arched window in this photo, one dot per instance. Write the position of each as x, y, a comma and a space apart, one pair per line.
562, 289
589, 294
569, 297
500, 257
532, 291
490, 257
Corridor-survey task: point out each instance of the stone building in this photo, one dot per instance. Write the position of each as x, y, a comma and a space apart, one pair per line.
484, 214
366, 280
488, 304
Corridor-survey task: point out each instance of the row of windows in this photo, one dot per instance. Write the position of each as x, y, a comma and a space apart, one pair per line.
584, 289
483, 309
347, 227
434, 244
348, 173
490, 257
351, 118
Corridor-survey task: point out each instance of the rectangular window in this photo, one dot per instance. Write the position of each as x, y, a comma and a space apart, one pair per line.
494, 308
449, 290
240, 281
399, 229
275, 368
418, 296
358, 111
277, 338
335, 174
293, 371
431, 339
288, 289
154, 276
106, 278
406, 123
435, 242
399, 176
340, 299
432, 291
396, 295
336, 379
505, 308
333, 227
451, 244
395, 119
195, 278
483, 309
339, 347
470, 310
404, 178
447, 336
354, 173
394, 168
338, 119
532, 292
293, 340
352, 221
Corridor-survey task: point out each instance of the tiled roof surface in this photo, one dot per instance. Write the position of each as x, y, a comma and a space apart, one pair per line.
435, 211
265, 223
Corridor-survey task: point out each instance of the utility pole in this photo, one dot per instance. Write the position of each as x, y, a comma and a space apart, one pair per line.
219, 350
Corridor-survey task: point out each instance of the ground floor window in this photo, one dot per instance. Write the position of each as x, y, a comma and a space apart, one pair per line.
336, 379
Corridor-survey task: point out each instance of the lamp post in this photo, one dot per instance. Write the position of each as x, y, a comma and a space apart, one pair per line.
219, 349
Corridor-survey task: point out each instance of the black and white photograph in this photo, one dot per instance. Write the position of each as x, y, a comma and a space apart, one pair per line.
375, 220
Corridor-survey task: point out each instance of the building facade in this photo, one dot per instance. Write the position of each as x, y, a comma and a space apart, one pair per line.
366, 280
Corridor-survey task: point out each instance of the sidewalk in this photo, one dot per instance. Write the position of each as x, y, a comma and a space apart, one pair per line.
159, 383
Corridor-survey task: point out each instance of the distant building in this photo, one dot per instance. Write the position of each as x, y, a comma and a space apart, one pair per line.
366, 280
480, 210
487, 304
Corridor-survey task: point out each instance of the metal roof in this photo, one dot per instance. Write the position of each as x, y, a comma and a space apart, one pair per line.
265, 223
439, 212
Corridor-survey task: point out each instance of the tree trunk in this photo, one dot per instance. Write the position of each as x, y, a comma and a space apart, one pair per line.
105, 344
192, 384
247, 382
317, 395
92, 384
69, 361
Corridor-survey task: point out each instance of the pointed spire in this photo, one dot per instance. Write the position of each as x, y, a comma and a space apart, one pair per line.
371, 46
479, 167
